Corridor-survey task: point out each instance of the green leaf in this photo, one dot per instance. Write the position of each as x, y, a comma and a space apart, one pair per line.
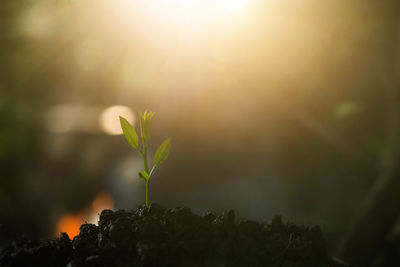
162, 152
144, 175
129, 132
145, 122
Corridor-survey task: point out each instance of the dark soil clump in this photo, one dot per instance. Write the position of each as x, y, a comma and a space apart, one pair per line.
156, 236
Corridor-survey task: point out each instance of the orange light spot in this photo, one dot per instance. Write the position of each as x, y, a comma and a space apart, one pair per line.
69, 224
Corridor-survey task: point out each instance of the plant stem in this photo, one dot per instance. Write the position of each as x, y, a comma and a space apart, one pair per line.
146, 168
152, 170
147, 192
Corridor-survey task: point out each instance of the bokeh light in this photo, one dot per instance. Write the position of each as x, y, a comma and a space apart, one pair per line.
109, 119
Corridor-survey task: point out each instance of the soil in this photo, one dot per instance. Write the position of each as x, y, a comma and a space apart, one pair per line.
157, 236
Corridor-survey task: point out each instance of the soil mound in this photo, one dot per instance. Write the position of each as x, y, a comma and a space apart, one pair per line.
157, 236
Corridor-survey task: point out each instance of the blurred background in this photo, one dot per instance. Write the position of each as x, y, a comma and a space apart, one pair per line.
273, 107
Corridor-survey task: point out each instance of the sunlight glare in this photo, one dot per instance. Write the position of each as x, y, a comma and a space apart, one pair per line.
194, 11
236, 6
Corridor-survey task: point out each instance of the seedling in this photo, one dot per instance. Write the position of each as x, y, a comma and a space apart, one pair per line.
132, 137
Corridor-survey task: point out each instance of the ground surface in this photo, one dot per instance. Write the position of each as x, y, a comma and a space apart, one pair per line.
156, 236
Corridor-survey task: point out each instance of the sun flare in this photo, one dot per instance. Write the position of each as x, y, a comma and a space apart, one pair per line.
193, 10
236, 6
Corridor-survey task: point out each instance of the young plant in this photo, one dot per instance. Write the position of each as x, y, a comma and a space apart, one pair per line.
132, 137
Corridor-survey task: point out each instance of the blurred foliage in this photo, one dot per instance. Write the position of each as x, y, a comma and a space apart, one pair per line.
20, 106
